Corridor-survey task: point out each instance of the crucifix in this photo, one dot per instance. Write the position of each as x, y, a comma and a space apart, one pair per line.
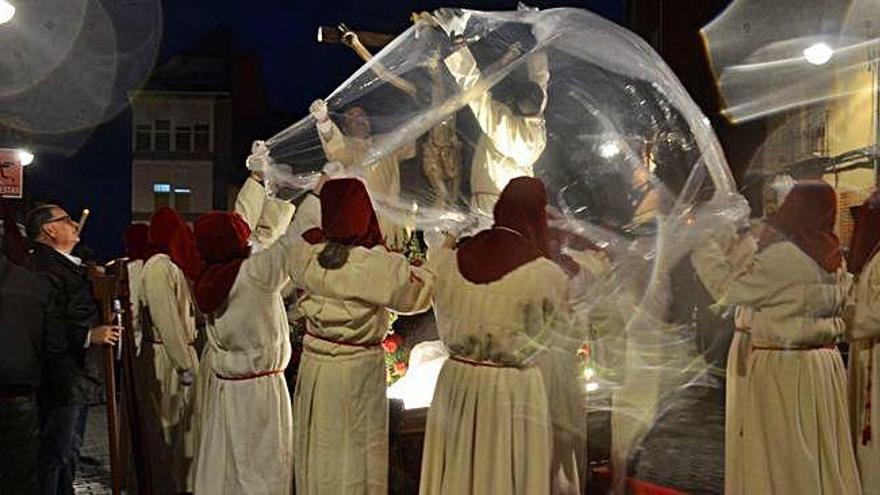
441, 149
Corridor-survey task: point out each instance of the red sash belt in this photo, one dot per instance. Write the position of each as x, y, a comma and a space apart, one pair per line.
248, 377
487, 364
339, 342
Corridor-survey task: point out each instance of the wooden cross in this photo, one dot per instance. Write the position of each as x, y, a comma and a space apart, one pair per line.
360, 40
441, 151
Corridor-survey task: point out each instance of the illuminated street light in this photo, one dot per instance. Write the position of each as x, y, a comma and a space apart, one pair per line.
25, 157
818, 53
7, 11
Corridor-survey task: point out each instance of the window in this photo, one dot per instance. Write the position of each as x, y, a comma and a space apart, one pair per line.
182, 198
163, 135
165, 194
161, 195
183, 139
143, 137
202, 137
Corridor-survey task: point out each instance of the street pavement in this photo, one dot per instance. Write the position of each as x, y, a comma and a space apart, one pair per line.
93, 474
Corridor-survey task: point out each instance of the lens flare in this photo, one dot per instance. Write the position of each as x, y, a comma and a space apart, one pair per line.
7, 11
818, 53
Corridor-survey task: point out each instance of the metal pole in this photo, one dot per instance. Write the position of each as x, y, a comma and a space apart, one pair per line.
112, 420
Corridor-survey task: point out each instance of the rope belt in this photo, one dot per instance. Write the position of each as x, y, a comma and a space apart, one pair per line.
746, 330
804, 348
486, 364
253, 376
160, 342
339, 342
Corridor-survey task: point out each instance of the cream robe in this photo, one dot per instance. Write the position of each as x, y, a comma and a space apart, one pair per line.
308, 214
561, 370
864, 365
166, 300
795, 426
382, 177
340, 408
489, 428
510, 144
268, 218
246, 425
735, 400
738, 255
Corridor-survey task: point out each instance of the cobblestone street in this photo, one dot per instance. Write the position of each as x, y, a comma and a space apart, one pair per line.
93, 476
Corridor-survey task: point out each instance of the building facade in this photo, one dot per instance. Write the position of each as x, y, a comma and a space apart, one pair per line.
182, 131
180, 144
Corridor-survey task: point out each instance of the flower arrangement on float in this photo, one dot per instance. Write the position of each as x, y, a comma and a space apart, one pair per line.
396, 357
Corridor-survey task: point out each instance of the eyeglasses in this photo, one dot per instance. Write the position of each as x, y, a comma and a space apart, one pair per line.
64, 218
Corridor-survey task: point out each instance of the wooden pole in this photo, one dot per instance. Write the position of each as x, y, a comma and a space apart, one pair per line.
104, 286
139, 454
328, 34
112, 419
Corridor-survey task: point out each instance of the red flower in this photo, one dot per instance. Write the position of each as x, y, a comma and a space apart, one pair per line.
584, 351
392, 343
400, 368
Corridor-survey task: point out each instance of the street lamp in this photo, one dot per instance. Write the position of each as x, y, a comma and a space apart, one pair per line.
7, 10
25, 157
818, 53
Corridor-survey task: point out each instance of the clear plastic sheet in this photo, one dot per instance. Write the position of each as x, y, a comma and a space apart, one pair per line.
452, 110
771, 56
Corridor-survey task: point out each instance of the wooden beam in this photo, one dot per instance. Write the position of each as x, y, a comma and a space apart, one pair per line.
333, 35
352, 39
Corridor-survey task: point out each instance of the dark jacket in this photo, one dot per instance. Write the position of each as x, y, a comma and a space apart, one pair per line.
73, 377
29, 329
691, 307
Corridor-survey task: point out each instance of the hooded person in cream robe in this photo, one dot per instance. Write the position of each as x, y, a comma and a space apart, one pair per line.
350, 149
245, 444
497, 301
267, 219
351, 282
167, 320
137, 250
562, 367
795, 426
514, 135
864, 348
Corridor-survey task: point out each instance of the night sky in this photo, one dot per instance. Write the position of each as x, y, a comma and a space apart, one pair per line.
284, 34
297, 69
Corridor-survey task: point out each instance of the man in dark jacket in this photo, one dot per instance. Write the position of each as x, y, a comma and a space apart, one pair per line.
29, 332
73, 379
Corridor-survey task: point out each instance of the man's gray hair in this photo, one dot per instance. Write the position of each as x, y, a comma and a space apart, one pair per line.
36, 219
